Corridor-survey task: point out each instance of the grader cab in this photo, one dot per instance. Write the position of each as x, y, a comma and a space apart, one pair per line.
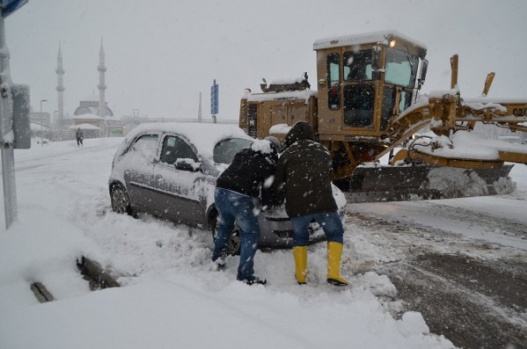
367, 104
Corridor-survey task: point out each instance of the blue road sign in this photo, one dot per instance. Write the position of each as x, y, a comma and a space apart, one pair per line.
10, 6
214, 100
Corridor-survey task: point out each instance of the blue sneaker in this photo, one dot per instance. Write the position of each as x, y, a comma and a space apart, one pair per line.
254, 280
218, 264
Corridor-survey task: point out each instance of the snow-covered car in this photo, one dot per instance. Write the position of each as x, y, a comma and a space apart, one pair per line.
169, 170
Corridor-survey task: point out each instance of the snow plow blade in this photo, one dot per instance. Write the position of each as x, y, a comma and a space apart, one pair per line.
425, 182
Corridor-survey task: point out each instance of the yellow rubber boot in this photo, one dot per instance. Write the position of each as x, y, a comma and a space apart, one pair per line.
300, 255
334, 256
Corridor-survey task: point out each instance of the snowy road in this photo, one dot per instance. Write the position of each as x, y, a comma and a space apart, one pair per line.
462, 263
496, 220
64, 207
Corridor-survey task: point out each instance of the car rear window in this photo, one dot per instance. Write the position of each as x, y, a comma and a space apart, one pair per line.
225, 150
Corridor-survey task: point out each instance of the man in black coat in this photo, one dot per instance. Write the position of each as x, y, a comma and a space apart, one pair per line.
237, 190
303, 178
79, 136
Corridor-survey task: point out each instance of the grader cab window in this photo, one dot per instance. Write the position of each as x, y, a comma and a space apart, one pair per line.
400, 79
252, 118
358, 105
358, 65
333, 74
401, 68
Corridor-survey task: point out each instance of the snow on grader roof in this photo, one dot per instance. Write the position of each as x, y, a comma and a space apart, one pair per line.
381, 37
285, 95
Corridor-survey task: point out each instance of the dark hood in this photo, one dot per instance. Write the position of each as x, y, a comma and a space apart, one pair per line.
301, 130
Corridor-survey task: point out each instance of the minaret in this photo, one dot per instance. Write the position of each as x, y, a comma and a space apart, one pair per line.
60, 87
102, 87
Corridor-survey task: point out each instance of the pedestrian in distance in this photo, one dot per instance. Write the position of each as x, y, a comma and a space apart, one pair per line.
79, 136
236, 197
303, 178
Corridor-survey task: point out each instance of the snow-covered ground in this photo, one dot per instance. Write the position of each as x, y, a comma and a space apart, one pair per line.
170, 297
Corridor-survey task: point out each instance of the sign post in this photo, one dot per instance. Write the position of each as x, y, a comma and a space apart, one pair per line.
214, 91
7, 109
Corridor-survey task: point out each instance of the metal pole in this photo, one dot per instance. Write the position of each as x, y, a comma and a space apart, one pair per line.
7, 138
55, 126
41, 122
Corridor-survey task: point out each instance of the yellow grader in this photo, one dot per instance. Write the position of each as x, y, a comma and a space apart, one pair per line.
367, 104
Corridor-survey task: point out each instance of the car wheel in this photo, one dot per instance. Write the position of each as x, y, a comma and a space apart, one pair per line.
120, 201
234, 243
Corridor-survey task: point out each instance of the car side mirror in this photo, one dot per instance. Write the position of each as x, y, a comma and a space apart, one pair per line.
187, 165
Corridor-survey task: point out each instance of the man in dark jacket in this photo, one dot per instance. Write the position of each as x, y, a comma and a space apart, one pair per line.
79, 136
303, 178
237, 190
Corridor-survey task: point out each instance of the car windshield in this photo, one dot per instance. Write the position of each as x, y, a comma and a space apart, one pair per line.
225, 150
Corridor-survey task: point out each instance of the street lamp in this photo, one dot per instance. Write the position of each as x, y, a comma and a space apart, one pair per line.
56, 126
41, 122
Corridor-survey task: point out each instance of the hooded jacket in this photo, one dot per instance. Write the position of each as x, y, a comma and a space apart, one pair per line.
304, 174
248, 171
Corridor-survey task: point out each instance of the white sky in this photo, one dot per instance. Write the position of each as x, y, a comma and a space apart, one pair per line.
161, 55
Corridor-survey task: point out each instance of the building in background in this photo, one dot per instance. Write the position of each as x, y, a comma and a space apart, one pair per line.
92, 106
40, 125
93, 115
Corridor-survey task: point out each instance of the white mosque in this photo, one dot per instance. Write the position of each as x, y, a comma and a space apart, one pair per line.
92, 116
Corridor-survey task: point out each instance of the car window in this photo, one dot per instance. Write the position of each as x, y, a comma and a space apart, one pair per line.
225, 150
145, 146
176, 148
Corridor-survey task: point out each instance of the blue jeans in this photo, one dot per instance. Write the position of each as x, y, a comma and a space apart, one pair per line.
233, 206
329, 221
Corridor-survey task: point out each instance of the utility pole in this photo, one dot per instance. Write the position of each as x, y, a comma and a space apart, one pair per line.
6, 120
214, 100
14, 100
41, 122
199, 108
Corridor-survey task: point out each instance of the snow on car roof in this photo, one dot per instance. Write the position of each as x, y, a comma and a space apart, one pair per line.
204, 136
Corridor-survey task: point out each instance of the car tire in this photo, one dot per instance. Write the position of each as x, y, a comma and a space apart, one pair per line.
120, 200
234, 243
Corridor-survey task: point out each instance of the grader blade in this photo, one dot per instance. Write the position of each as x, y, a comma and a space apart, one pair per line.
425, 182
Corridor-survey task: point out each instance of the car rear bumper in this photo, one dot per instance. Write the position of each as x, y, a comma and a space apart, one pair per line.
276, 230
